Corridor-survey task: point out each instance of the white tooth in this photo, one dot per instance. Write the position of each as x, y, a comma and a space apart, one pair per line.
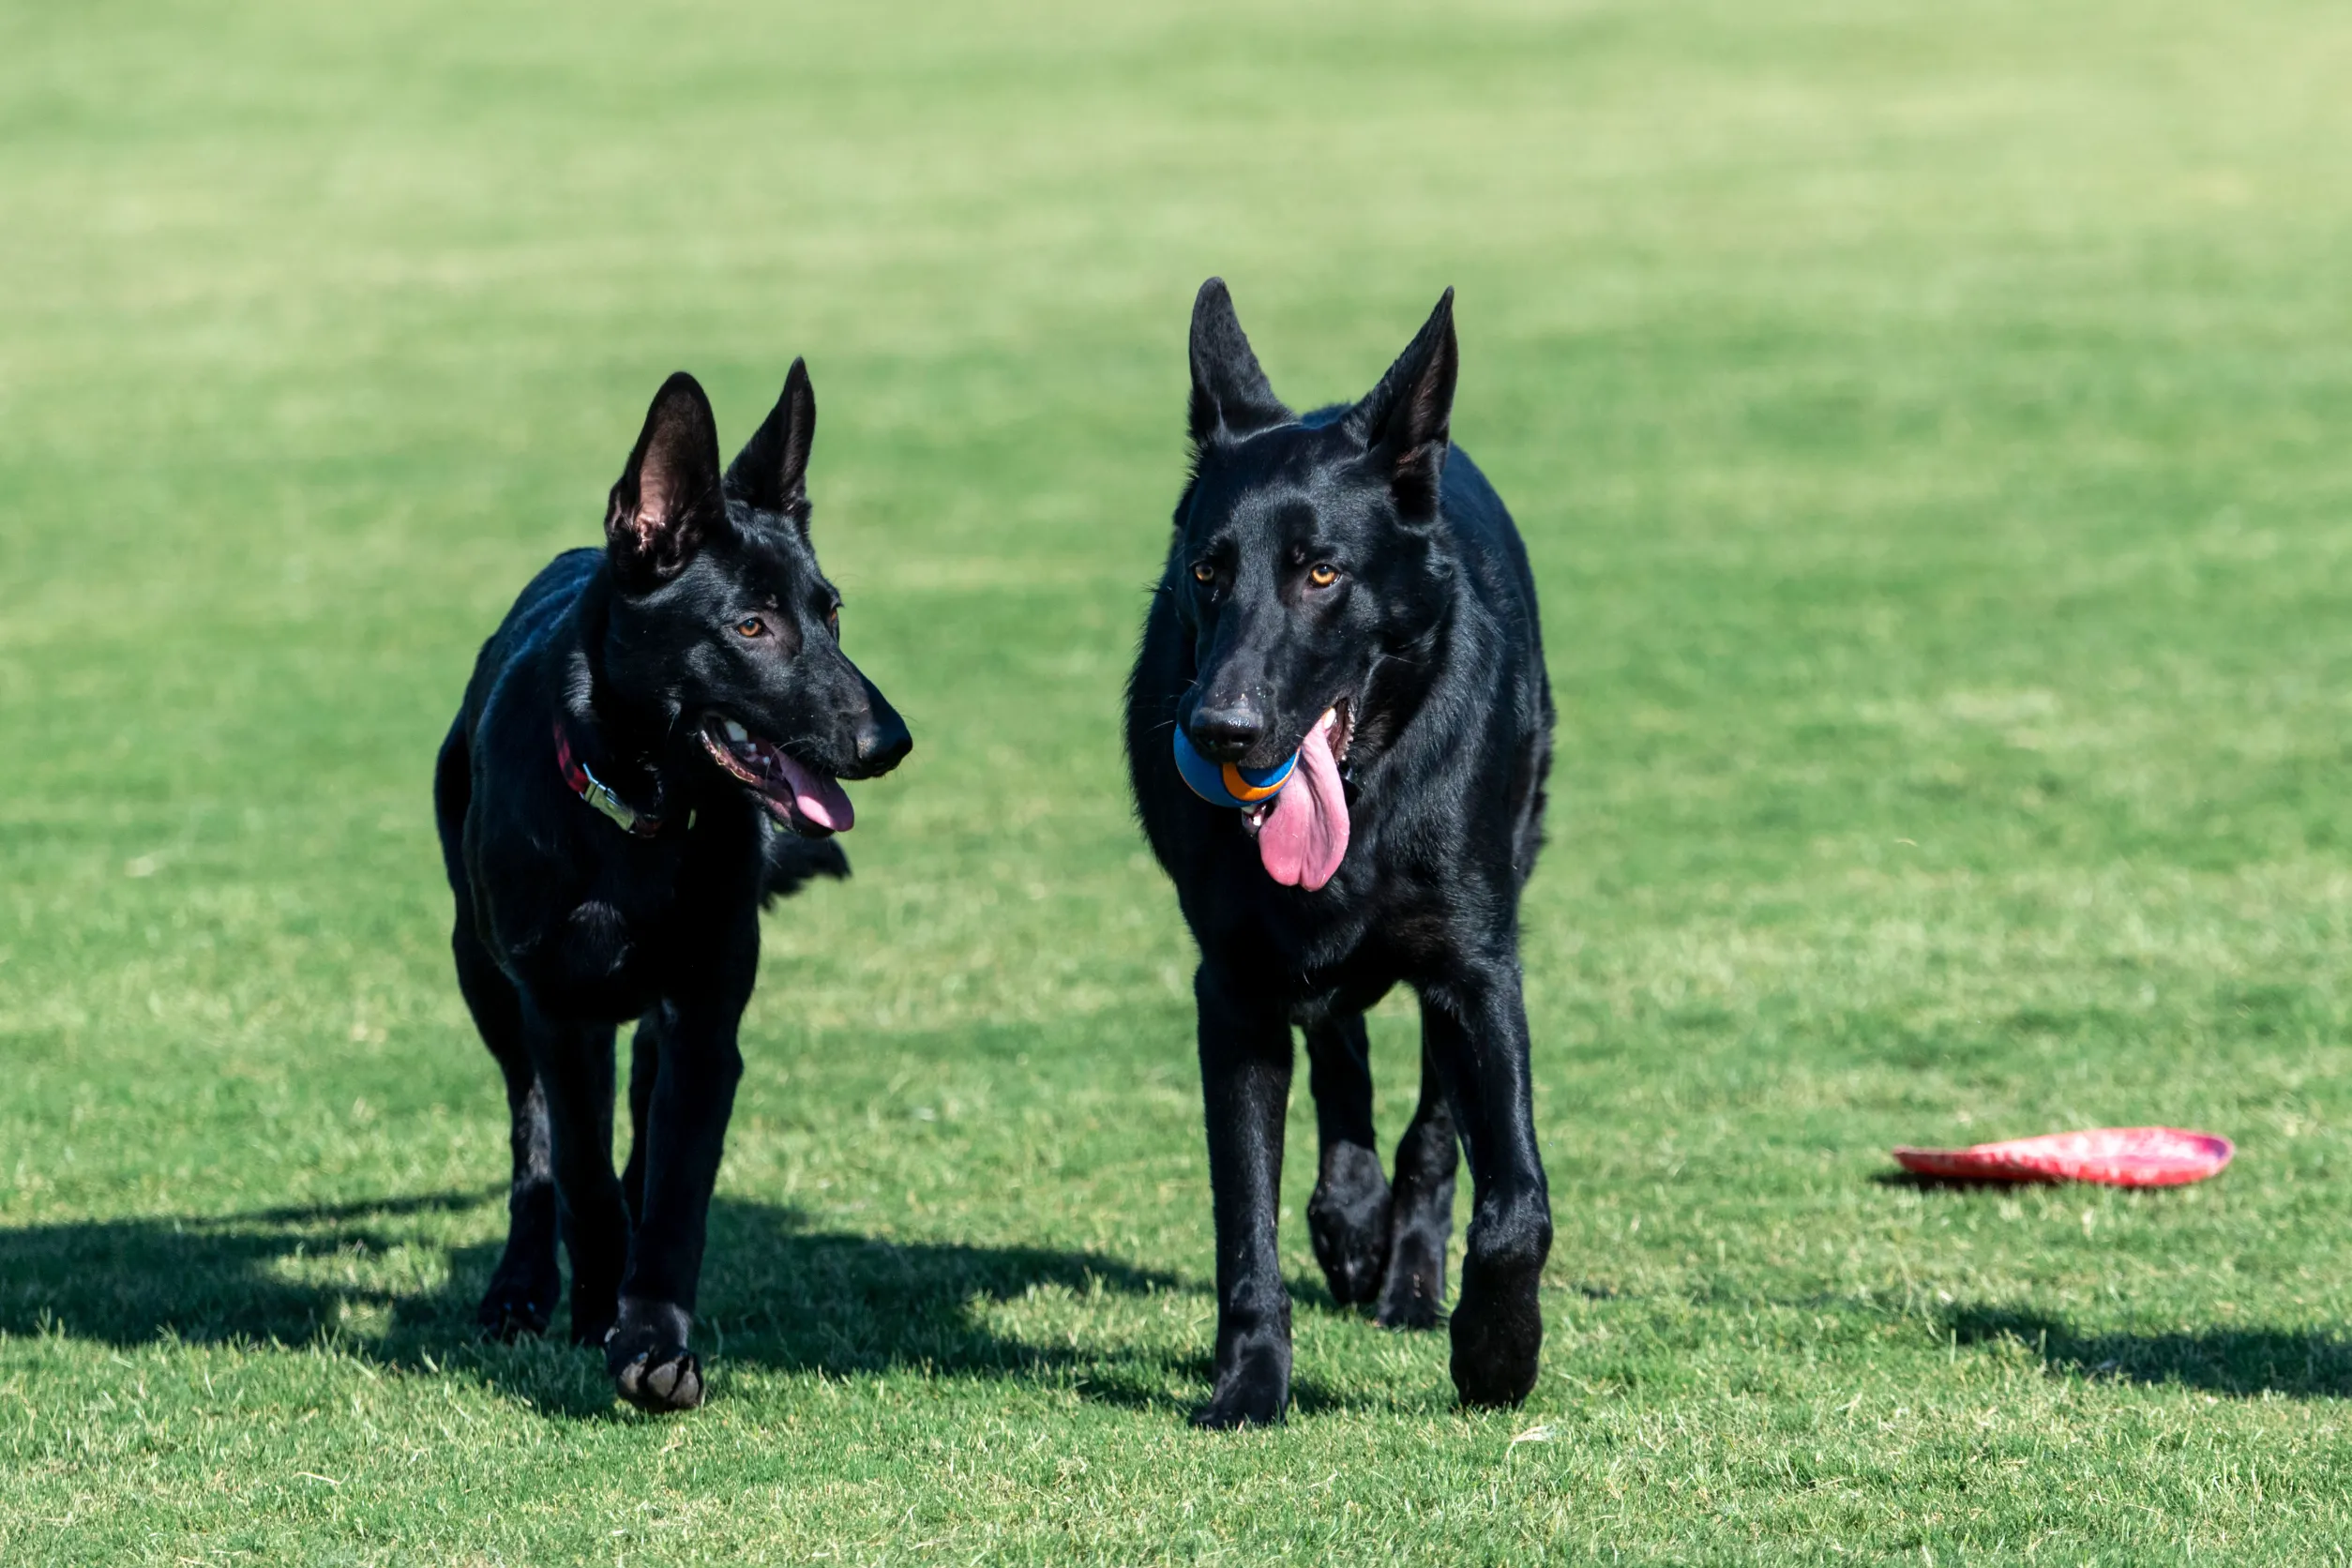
736, 732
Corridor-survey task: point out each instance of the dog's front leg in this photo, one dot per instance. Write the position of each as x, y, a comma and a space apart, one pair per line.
1475, 1030
644, 1070
1245, 1081
684, 1129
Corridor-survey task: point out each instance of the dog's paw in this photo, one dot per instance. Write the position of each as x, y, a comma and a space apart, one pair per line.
1255, 1392
589, 1331
1347, 1220
1412, 1297
505, 1316
1243, 1406
646, 1353
1407, 1312
1495, 1349
520, 1301
659, 1380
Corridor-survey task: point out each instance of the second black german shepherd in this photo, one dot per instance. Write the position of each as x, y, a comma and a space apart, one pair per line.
650, 746
1346, 587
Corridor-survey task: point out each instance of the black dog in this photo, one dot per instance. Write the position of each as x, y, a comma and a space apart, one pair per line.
650, 744
1347, 587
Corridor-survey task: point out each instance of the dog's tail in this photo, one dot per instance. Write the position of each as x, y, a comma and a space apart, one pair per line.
795, 862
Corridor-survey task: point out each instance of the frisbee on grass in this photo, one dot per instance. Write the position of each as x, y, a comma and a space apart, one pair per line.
2118, 1156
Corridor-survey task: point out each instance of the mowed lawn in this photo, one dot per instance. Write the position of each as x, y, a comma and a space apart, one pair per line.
1932, 427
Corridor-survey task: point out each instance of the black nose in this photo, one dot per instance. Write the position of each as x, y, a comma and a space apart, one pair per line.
882, 743
1224, 732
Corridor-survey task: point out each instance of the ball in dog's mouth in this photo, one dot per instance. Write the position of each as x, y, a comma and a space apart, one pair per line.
810, 803
1342, 715
1302, 833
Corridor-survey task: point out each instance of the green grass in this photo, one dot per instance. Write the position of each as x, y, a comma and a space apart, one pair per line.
1933, 430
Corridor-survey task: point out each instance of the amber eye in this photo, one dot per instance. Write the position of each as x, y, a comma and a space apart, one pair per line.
1204, 573
1322, 574
751, 625
833, 622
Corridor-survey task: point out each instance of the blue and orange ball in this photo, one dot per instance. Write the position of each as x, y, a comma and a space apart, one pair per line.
1222, 783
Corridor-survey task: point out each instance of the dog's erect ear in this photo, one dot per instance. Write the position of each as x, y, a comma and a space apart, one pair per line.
1405, 421
667, 501
770, 473
1230, 392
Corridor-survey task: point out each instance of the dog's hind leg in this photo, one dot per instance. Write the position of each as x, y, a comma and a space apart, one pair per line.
575, 1065
1474, 1026
1348, 1218
525, 1285
1421, 1222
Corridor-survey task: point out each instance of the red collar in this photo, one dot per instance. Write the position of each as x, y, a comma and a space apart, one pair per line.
596, 793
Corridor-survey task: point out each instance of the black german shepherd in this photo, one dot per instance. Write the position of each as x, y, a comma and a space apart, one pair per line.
1347, 587
650, 746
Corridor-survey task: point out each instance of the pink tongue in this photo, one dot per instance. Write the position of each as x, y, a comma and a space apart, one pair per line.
1305, 836
822, 800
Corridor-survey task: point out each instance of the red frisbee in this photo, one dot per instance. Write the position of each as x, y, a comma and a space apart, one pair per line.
2118, 1156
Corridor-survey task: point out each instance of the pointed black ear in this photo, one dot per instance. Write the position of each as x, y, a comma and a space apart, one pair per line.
1405, 421
1230, 392
667, 501
770, 473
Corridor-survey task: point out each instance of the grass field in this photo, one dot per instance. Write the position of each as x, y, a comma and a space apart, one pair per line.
1933, 430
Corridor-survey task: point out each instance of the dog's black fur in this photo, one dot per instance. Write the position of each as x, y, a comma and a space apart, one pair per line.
707, 606
1427, 645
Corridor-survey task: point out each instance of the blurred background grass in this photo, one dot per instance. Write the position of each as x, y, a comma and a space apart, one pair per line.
1928, 429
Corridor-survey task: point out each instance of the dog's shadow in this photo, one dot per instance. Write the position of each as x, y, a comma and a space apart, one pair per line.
373, 1280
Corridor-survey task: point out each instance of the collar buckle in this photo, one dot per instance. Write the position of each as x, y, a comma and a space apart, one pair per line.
600, 794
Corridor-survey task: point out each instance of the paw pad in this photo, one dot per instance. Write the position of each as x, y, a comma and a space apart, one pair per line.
670, 1381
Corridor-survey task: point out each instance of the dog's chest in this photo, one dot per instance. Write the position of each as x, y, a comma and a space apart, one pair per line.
599, 939
606, 956
1373, 927
638, 913
627, 935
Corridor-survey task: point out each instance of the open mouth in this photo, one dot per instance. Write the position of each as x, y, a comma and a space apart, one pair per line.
1342, 729
810, 803
1302, 833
